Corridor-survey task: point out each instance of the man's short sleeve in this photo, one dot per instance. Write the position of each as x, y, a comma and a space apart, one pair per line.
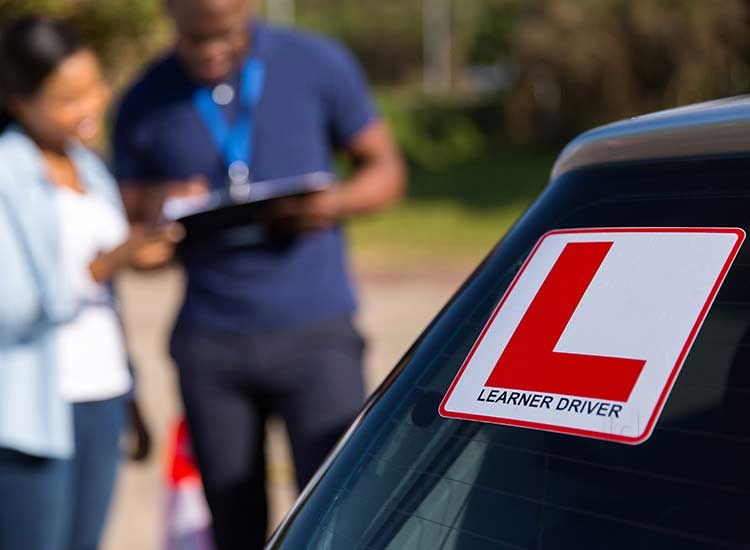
129, 144
351, 104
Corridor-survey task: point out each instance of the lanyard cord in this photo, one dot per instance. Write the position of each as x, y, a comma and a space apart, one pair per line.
233, 141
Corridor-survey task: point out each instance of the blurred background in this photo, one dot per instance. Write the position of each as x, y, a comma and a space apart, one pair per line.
482, 95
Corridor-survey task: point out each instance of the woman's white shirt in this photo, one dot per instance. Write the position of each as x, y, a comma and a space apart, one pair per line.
92, 360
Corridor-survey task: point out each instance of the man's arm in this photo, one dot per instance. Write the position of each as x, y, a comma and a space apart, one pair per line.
380, 177
379, 180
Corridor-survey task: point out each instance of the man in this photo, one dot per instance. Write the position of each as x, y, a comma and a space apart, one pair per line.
264, 328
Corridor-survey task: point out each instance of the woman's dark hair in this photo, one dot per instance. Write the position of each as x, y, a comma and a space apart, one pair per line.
31, 48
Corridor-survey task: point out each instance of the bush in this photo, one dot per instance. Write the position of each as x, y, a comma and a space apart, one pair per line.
586, 62
124, 32
438, 132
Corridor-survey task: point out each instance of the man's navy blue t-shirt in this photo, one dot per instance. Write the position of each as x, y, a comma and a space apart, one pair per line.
314, 99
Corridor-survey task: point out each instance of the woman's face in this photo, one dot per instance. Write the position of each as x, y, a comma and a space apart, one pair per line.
70, 104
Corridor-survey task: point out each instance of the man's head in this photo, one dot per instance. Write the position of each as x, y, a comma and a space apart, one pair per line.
212, 35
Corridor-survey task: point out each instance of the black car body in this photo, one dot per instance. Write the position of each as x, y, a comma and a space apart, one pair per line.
406, 477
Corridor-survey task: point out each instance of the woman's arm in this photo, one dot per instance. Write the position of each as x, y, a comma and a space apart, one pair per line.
144, 249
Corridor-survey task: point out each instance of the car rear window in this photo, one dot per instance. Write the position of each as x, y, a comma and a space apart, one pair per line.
408, 478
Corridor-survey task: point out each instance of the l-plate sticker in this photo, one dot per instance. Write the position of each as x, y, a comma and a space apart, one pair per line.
591, 334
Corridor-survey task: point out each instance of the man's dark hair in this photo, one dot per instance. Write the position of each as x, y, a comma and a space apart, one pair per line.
31, 48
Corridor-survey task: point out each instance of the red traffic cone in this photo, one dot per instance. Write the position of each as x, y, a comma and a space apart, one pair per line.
188, 520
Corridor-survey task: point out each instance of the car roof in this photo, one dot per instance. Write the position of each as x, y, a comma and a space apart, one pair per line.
714, 127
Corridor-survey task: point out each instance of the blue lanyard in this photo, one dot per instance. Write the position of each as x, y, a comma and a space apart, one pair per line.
234, 141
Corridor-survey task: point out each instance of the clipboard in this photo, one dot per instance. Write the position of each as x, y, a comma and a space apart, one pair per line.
218, 215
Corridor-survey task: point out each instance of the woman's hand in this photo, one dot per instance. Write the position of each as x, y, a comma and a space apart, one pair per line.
144, 249
153, 248
144, 203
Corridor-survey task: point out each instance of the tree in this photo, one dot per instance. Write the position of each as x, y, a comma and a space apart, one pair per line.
585, 62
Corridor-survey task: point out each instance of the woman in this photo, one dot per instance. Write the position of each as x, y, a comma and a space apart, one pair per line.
63, 236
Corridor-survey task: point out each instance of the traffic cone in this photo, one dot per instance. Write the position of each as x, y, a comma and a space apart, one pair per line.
188, 520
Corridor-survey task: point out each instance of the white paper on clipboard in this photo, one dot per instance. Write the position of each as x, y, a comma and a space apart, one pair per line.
175, 208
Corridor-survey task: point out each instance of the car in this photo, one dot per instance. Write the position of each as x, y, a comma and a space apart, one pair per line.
588, 386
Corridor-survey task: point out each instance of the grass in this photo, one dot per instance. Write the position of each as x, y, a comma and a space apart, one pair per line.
453, 217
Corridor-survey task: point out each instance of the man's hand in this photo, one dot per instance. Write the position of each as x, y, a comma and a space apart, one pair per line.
309, 212
377, 182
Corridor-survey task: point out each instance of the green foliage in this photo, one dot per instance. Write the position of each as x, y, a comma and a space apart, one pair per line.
456, 214
434, 133
491, 33
124, 32
578, 63
385, 35
585, 62
498, 178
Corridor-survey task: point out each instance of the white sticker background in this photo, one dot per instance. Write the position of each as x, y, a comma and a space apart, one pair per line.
642, 303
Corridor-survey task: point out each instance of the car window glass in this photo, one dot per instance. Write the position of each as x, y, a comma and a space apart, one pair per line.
411, 479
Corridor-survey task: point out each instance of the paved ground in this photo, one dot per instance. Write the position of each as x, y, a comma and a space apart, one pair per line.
395, 308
